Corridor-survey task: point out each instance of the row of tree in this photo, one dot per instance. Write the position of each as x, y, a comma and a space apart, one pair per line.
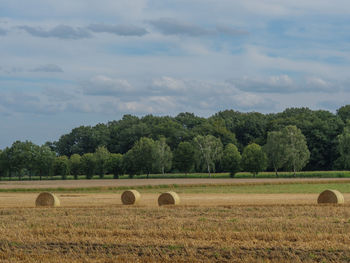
284, 149
188, 143
320, 128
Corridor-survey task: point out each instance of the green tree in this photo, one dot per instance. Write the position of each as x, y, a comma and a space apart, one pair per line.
141, 158
275, 149
129, 164
22, 157
320, 129
125, 133
254, 159
75, 165
5, 162
210, 150
115, 165
165, 127
101, 157
297, 152
189, 120
344, 113
184, 157
43, 161
83, 139
88, 164
231, 159
344, 148
163, 155
61, 166
2, 165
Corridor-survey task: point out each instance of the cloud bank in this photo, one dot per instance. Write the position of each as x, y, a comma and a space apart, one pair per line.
70, 63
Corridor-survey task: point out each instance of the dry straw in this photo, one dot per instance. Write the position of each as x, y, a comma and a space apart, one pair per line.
330, 197
169, 198
47, 199
130, 197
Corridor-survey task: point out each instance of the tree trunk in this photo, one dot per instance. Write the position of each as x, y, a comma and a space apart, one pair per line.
147, 175
276, 172
163, 170
209, 170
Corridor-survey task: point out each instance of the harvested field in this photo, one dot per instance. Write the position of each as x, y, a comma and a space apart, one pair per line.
208, 226
150, 200
254, 233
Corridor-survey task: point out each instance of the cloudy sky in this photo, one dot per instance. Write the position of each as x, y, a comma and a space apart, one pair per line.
69, 63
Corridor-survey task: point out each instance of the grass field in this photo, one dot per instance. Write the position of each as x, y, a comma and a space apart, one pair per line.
197, 185
303, 174
250, 221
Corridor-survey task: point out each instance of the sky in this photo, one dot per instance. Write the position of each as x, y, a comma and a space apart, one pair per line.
66, 63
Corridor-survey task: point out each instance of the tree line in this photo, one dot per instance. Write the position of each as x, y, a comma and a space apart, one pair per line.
228, 141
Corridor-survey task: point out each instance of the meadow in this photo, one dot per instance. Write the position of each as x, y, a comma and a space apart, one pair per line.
250, 221
245, 175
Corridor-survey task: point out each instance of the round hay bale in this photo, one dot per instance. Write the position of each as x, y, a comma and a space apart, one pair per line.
130, 197
168, 198
47, 199
330, 197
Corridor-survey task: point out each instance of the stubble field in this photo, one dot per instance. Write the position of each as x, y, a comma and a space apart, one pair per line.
211, 225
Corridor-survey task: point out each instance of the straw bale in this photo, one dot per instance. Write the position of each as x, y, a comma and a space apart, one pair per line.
330, 197
168, 198
130, 197
47, 199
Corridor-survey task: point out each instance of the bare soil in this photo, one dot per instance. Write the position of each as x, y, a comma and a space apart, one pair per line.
142, 182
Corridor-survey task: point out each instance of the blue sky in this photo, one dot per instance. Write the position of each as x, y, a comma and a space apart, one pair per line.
69, 63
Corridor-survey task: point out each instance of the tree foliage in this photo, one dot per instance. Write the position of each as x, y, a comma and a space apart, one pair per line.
163, 155
275, 149
75, 165
101, 157
142, 157
184, 157
44, 159
297, 152
209, 149
344, 148
61, 166
88, 164
231, 159
322, 130
254, 159
115, 165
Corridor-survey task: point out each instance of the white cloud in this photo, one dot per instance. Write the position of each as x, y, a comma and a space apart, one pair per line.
124, 64
48, 68
121, 30
283, 84
105, 86
60, 31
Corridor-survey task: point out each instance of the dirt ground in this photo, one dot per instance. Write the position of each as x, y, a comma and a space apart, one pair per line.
141, 182
150, 200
